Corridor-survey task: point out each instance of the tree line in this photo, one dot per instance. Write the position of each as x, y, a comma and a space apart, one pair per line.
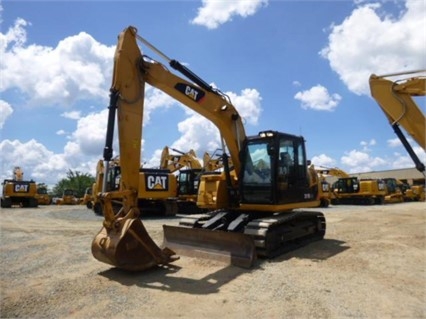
74, 180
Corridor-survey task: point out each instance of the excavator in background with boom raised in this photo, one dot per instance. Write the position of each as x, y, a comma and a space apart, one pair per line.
396, 99
188, 177
175, 162
18, 191
261, 212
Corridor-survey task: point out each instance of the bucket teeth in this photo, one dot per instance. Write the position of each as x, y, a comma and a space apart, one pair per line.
130, 247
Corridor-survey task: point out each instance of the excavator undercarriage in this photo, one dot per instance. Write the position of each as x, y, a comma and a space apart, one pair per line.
241, 237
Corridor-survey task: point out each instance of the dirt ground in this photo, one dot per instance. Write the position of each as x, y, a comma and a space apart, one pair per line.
371, 264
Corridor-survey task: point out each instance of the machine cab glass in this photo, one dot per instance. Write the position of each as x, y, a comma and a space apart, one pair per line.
274, 169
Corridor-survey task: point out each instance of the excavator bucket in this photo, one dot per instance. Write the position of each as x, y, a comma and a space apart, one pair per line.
235, 248
130, 247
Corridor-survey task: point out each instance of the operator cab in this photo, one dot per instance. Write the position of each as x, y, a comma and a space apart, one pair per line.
274, 170
188, 181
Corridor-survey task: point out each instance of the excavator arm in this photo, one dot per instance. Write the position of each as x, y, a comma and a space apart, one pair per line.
174, 162
396, 100
201, 98
123, 240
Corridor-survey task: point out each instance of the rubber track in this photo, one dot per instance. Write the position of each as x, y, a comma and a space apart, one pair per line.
282, 233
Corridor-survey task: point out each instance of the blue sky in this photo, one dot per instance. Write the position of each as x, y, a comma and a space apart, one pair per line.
300, 67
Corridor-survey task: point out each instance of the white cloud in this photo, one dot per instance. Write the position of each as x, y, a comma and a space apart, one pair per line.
323, 160
156, 99
78, 68
213, 13
361, 161
248, 105
72, 115
365, 144
41, 164
371, 41
395, 142
90, 133
318, 98
5, 111
61, 132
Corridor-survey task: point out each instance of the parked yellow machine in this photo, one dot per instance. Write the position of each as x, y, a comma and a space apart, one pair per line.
394, 192
354, 191
261, 207
349, 190
68, 198
88, 198
175, 162
415, 193
157, 188
43, 197
19, 192
412, 193
189, 169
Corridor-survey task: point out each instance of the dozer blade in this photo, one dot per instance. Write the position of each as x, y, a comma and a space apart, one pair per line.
130, 247
235, 248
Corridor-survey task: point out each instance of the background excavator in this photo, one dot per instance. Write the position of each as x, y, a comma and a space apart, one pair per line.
366, 191
17, 191
396, 98
156, 191
42, 196
188, 169
260, 205
214, 162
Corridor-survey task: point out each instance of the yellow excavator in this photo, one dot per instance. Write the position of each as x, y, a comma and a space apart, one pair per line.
396, 98
189, 171
214, 162
17, 191
354, 191
156, 192
42, 196
261, 210
175, 162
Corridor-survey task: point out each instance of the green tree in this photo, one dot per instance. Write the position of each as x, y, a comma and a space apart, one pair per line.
76, 181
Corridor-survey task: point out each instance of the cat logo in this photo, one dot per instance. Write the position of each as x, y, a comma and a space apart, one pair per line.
156, 182
190, 91
21, 188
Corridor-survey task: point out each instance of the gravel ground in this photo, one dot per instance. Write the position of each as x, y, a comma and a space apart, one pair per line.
371, 264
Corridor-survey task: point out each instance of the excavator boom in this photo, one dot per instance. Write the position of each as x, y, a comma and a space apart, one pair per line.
396, 100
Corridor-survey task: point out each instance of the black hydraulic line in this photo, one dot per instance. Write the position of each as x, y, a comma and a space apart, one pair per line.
190, 75
419, 165
177, 151
114, 95
231, 190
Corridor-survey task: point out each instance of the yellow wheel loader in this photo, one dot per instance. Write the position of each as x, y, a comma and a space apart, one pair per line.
259, 205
